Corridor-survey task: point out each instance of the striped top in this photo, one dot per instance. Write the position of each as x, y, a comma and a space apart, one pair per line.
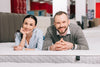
36, 41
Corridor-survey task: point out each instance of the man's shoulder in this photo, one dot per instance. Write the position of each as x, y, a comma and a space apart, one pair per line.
51, 27
74, 26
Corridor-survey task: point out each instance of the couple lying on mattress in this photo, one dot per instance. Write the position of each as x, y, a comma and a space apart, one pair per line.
59, 37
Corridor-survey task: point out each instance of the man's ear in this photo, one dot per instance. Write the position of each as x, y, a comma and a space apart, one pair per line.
54, 23
68, 22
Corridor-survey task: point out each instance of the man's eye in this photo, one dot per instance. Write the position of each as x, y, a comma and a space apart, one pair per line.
58, 23
64, 22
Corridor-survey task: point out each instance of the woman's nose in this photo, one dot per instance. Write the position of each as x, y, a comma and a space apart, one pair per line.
27, 26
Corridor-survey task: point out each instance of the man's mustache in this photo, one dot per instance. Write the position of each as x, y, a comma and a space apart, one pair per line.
61, 27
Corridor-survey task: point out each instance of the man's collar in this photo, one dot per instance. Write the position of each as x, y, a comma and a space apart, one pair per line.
68, 31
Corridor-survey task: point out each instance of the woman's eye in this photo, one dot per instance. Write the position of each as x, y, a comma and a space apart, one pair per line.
25, 23
31, 24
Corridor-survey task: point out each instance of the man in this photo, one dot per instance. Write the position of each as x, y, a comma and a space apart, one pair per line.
64, 35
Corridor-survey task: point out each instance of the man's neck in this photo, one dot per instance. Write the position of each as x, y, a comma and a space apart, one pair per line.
64, 34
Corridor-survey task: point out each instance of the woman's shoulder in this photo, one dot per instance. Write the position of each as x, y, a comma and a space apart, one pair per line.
18, 34
38, 30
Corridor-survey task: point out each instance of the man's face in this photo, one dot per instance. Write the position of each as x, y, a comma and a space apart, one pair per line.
61, 23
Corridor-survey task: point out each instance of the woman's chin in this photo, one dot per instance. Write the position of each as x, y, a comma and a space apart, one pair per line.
27, 32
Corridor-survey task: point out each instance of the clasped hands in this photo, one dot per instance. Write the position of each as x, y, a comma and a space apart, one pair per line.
61, 45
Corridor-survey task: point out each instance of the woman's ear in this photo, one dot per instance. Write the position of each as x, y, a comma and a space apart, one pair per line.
35, 26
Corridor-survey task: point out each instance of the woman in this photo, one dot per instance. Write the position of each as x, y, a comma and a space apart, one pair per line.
29, 36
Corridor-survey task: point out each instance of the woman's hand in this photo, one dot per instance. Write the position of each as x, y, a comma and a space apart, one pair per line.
29, 49
18, 48
23, 32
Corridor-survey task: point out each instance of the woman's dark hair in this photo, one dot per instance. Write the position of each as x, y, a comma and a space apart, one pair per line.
31, 16
28, 16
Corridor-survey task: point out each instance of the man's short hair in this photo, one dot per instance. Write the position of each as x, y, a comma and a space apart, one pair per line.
60, 13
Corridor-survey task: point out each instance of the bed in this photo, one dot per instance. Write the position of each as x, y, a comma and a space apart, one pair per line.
92, 56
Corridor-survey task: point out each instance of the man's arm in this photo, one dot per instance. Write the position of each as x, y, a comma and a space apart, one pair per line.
61, 46
80, 40
48, 40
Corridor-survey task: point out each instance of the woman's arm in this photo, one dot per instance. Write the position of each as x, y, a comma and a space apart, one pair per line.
40, 40
20, 43
29, 49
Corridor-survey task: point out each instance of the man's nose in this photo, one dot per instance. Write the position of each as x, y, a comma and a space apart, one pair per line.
61, 25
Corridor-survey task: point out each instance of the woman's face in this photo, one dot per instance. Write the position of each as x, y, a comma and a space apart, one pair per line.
28, 25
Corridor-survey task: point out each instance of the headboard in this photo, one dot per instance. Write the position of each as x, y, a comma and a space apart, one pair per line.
11, 22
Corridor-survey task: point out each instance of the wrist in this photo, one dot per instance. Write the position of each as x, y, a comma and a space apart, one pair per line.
24, 35
52, 47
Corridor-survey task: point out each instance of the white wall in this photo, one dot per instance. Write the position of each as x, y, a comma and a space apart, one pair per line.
92, 5
80, 9
5, 6
59, 5
28, 5
97, 0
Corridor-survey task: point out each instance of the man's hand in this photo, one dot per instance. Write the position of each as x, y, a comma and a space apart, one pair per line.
61, 45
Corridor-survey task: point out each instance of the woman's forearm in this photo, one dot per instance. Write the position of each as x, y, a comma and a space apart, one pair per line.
22, 43
29, 49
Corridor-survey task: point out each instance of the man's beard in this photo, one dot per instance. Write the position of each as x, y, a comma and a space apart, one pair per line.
62, 32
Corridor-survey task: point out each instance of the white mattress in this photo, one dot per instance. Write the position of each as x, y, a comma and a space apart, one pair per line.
92, 56
9, 55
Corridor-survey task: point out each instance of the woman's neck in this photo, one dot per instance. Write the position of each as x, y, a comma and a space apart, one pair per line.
28, 37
